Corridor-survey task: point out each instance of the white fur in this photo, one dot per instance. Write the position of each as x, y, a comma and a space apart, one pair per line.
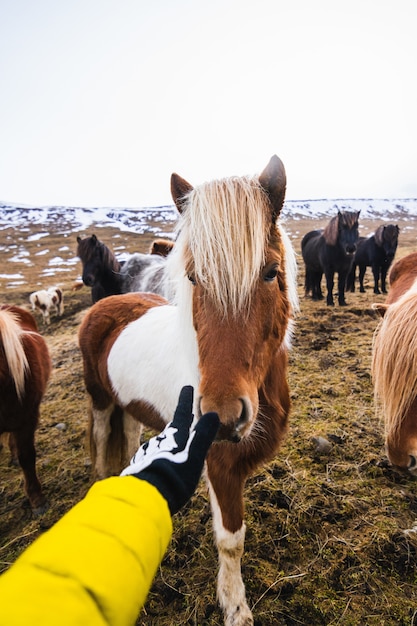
230, 587
156, 342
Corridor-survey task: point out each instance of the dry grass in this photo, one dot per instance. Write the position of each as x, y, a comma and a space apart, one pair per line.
330, 537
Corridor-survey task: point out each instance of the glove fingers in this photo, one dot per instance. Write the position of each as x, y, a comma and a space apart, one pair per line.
205, 432
183, 416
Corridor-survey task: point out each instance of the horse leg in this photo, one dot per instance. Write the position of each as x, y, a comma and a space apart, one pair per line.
362, 270
350, 282
375, 272
319, 276
132, 430
11, 442
101, 429
384, 271
329, 284
226, 499
23, 441
341, 284
316, 286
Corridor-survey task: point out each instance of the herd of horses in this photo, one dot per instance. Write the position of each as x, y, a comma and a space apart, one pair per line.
220, 318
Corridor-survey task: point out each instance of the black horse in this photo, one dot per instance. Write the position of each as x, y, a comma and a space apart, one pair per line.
329, 251
377, 252
101, 269
107, 276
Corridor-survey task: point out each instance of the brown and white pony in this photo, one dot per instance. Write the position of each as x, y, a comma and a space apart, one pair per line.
228, 335
394, 364
25, 367
47, 301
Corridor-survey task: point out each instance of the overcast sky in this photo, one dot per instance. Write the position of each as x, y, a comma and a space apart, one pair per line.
101, 100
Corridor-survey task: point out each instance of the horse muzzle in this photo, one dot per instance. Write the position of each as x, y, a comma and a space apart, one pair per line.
88, 280
350, 250
236, 417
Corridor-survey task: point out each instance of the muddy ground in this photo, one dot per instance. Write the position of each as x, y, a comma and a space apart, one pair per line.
331, 536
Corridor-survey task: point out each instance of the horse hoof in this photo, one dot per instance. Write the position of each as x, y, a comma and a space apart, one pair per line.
40, 510
239, 618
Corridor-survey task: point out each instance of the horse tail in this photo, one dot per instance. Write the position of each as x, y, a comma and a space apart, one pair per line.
116, 449
394, 361
12, 339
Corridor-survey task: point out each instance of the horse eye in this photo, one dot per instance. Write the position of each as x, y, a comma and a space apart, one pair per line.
191, 279
271, 274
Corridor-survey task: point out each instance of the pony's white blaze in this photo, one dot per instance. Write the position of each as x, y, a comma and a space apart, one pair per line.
154, 342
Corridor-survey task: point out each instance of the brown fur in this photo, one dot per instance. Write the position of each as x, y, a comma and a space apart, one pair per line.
161, 247
402, 276
20, 401
394, 362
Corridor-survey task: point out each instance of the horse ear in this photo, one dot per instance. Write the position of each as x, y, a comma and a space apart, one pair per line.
381, 309
94, 238
79, 239
274, 181
179, 189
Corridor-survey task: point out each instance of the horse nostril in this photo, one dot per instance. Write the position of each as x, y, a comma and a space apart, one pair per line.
244, 416
412, 464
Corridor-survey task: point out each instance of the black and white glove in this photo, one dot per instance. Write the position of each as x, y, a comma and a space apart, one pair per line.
173, 460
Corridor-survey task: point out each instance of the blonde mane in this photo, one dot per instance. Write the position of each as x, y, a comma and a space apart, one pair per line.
11, 335
223, 234
394, 361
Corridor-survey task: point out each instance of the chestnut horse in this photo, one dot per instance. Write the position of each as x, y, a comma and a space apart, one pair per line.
394, 364
228, 335
25, 367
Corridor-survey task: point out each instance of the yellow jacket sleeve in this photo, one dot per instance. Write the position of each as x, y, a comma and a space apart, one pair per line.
96, 564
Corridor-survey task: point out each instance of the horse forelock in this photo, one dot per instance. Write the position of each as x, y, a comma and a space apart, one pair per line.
343, 218
223, 234
87, 251
394, 361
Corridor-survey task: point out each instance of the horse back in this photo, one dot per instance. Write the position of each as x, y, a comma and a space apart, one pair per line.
36, 362
311, 244
102, 325
402, 277
308, 237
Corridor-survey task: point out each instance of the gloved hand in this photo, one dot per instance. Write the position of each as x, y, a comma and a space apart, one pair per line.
173, 460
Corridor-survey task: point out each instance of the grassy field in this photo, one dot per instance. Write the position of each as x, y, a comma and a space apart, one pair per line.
330, 533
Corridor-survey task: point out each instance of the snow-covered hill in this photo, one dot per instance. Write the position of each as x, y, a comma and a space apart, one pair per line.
68, 219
